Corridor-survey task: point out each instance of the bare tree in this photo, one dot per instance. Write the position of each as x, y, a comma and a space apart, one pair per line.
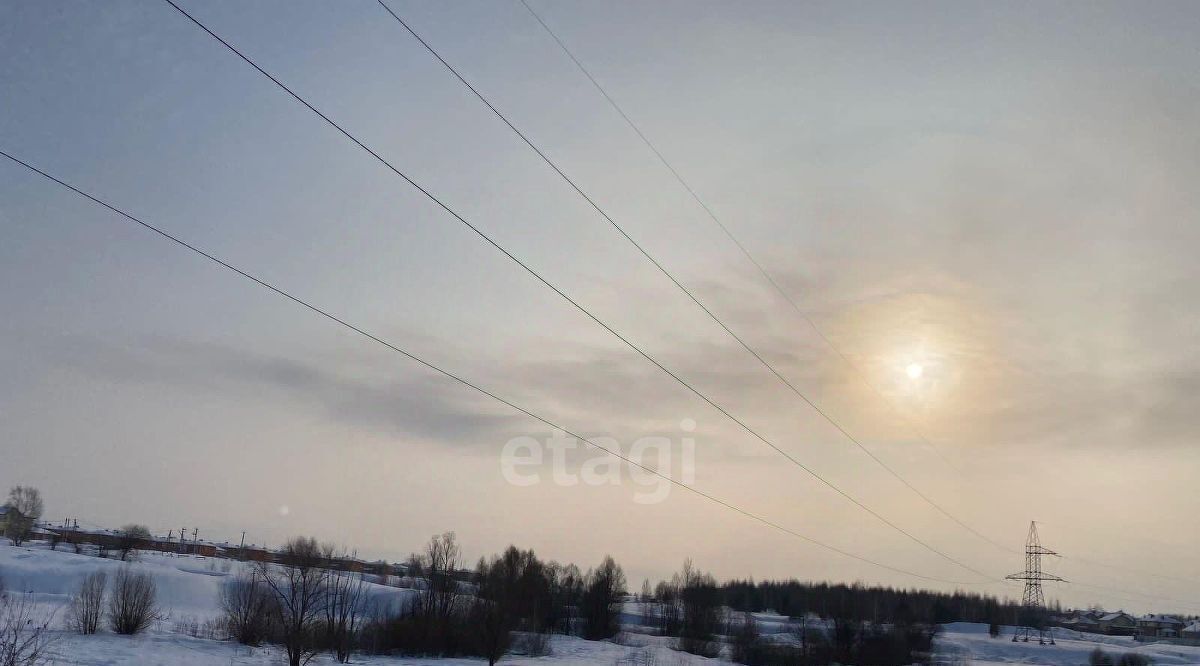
745, 640
436, 604
605, 587
132, 604
345, 610
130, 538
87, 606
492, 627
300, 587
248, 606
24, 632
701, 605
24, 507
492, 615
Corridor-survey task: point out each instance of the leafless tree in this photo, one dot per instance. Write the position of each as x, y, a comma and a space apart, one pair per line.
24, 631
492, 627
345, 610
701, 604
25, 507
299, 584
87, 606
132, 603
745, 640
129, 538
605, 587
248, 606
437, 603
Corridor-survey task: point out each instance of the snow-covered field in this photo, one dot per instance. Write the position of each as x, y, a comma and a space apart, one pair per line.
963, 643
188, 592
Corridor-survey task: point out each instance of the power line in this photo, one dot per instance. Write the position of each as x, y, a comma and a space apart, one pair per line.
465, 382
570, 300
783, 293
770, 279
662, 269
742, 246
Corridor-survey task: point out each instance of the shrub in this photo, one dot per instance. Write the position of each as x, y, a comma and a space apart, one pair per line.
87, 606
132, 605
246, 603
24, 634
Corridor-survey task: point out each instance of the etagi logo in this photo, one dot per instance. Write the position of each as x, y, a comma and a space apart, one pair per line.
527, 461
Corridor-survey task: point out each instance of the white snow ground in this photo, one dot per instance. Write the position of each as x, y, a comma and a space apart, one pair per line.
188, 588
187, 591
965, 643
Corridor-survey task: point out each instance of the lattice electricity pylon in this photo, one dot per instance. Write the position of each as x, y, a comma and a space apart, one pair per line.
1033, 602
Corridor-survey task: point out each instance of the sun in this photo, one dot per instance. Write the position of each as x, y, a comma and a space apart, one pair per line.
914, 370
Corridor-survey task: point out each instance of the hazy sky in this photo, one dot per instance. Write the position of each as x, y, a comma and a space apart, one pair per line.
1002, 193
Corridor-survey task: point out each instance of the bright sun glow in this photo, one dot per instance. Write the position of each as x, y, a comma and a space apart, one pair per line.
914, 370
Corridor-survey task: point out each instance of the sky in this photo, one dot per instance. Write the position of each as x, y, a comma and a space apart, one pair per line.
1001, 195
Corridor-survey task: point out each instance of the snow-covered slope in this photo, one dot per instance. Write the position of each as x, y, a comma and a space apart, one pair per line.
188, 589
964, 643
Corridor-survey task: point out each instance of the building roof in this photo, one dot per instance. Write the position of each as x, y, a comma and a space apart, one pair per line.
1109, 617
1160, 619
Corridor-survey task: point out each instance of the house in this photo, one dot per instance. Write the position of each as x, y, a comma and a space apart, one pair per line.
1191, 632
1119, 623
1159, 626
1086, 621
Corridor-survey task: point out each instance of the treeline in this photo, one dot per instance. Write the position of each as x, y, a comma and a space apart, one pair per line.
705, 615
870, 604
510, 602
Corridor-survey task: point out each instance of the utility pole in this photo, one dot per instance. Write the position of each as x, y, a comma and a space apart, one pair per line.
1033, 601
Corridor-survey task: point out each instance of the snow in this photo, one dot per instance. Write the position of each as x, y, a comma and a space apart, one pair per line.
188, 591
966, 643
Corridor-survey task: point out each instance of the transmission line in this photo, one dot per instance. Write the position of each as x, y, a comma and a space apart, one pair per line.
783, 293
570, 300
737, 242
662, 269
457, 378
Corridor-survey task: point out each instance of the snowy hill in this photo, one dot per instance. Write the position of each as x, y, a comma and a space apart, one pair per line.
965, 643
188, 590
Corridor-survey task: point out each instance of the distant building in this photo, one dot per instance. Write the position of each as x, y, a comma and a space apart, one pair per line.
1081, 620
1119, 623
1155, 626
1190, 635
